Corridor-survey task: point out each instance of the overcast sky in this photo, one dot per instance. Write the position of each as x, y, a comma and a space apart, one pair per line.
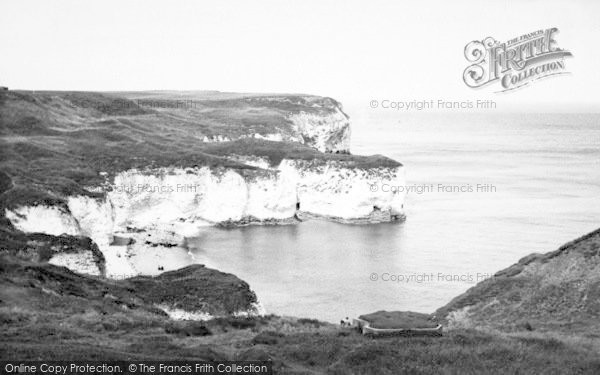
350, 50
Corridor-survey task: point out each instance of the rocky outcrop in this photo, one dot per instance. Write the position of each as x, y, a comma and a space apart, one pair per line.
196, 291
337, 191
557, 291
326, 133
77, 253
53, 220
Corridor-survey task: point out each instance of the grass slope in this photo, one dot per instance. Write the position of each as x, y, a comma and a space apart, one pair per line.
54, 143
556, 292
50, 312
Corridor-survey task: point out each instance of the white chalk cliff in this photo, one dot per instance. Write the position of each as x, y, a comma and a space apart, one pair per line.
166, 205
328, 131
163, 206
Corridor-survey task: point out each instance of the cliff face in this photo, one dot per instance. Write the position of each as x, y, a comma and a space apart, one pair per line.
327, 130
556, 291
314, 121
74, 252
163, 206
333, 190
326, 133
129, 167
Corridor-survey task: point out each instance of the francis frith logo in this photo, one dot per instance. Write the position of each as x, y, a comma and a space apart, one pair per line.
515, 63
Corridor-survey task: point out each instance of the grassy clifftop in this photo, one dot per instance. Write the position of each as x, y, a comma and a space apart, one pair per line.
554, 292
192, 289
54, 143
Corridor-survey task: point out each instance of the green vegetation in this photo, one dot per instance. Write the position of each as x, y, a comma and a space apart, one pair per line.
554, 292
53, 144
277, 151
538, 316
50, 312
196, 288
399, 319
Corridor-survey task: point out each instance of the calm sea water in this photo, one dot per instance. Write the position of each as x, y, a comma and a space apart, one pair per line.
545, 170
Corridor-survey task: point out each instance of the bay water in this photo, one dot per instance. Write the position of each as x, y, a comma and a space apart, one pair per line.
484, 191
